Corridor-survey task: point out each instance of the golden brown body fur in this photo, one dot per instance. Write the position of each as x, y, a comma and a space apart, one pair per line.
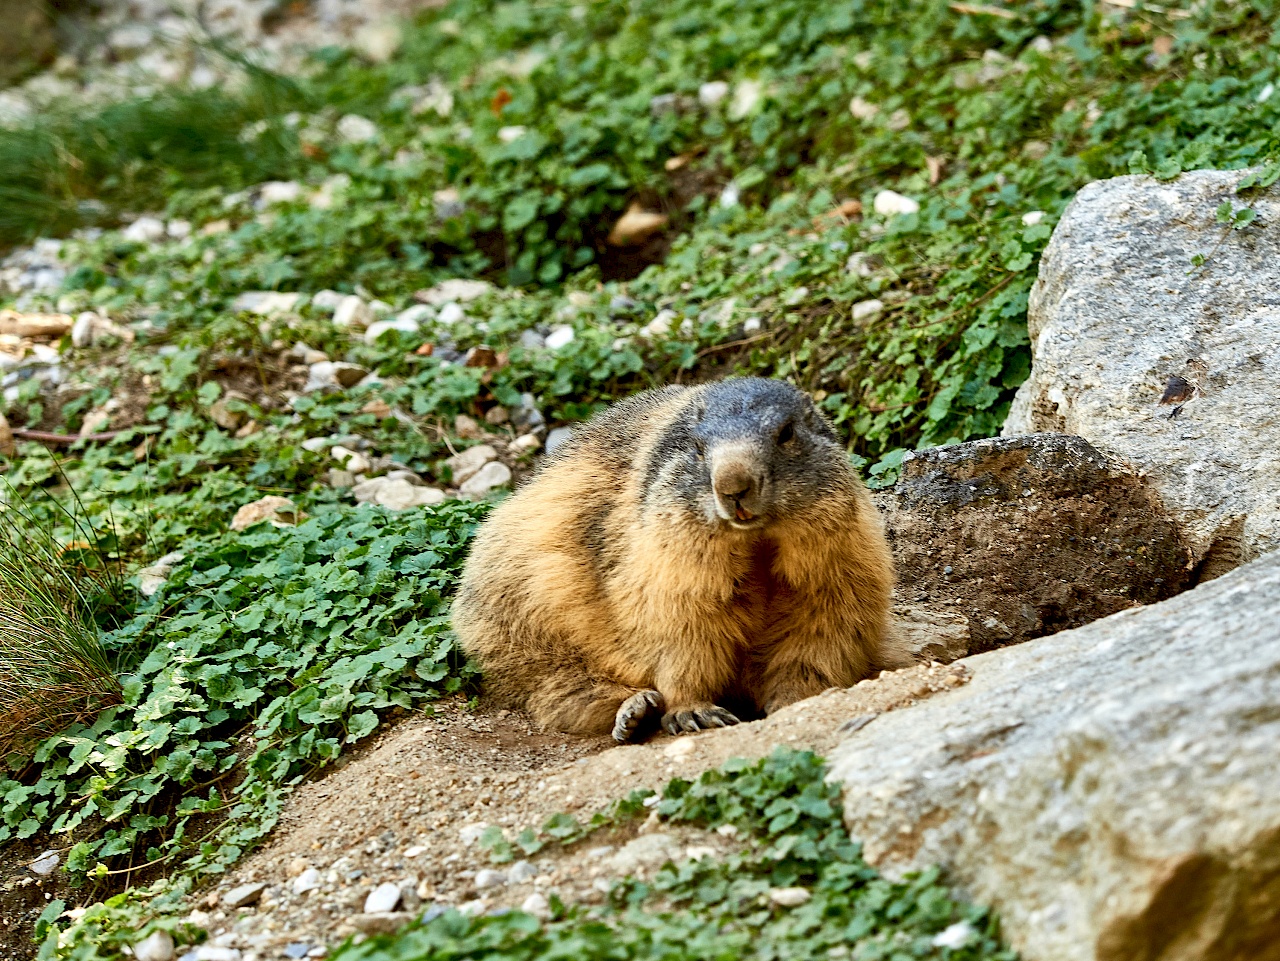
594, 583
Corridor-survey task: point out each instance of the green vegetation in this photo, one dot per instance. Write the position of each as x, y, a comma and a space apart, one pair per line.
503, 141
788, 818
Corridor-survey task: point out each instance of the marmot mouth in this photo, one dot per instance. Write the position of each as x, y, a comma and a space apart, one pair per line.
743, 514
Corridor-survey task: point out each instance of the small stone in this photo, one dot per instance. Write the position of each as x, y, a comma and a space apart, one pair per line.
243, 895
473, 909
327, 301
297, 949
954, 937
497, 416
457, 290
334, 375
522, 872
511, 134
636, 226
448, 203
308, 880
557, 437
866, 309
416, 851
350, 460
746, 97
1032, 217
224, 416
532, 340
492, 475
278, 511
647, 851
889, 203
471, 833
789, 897
145, 230
297, 866
178, 229
468, 428
465, 465
537, 905
559, 337
355, 129
279, 192
212, 952
863, 109
398, 495
450, 314
352, 312
489, 878
752, 325
380, 327
378, 41
156, 946
82, 329
660, 326
382, 899
711, 93
525, 443
382, 922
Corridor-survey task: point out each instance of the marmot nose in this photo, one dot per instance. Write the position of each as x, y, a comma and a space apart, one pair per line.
735, 482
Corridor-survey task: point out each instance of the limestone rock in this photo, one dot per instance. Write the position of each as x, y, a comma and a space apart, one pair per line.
156, 946
465, 465
278, 511
491, 476
35, 326
456, 290
243, 895
1112, 791
382, 899
1120, 309
1027, 536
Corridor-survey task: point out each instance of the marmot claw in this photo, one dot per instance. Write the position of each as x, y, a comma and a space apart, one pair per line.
634, 712
697, 719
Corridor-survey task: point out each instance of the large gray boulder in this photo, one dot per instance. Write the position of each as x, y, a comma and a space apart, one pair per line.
1120, 308
1113, 791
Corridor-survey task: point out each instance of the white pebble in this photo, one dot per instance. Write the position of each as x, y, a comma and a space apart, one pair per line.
450, 314
954, 937
559, 337
156, 946
789, 897
383, 898
1032, 217
536, 905
866, 309
489, 878
889, 203
308, 880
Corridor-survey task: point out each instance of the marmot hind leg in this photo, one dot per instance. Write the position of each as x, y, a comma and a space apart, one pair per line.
571, 701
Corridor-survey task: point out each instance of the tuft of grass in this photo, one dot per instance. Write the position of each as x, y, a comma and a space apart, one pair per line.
54, 671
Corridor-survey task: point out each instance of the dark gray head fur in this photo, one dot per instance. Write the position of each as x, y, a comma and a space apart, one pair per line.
744, 452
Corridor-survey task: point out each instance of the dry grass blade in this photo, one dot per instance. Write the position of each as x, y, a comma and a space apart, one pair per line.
53, 670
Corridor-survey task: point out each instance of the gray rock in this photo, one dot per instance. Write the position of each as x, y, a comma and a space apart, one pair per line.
1119, 309
490, 477
646, 851
308, 880
333, 375
489, 878
352, 312
789, 897
932, 634
297, 949
537, 905
532, 340
522, 872
397, 494
466, 464
354, 128
381, 922
46, 863
213, 952
558, 436
146, 230
156, 946
1024, 537
399, 324
327, 301
457, 290
1112, 791
243, 895
382, 899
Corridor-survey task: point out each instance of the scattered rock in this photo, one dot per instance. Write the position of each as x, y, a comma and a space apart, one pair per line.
559, 337
1111, 791
525, 444
382, 899
468, 428
379, 327
450, 314
537, 905
866, 309
46, 863
333, 375
1027, 536
862, 109
453, 291
308, 880
378, 41
954, 936
224, 416
489, 878
214, 952
889, 203
471, 833
279, 192
491, 476
1120, 319
145, 230
151, 579
35, 326
355, 129
647, 852
277, 511
385, 922
932, 634
789, 897
352, 312
396, 494
466, 464
522, 872
557, 436
351, 460
636, 226
156, 946
327, 301
267, 303
243, 895
711, 93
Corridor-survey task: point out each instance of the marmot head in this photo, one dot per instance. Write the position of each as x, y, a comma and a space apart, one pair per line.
745, 452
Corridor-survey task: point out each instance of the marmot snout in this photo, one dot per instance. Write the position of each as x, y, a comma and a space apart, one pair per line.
689, 550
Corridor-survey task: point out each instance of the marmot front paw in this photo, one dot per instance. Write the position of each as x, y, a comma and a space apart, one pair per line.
694, 719
635, 712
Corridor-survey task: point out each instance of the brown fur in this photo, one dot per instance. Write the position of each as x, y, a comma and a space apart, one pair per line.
579, 592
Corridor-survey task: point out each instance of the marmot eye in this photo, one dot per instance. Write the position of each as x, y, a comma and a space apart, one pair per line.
787, 433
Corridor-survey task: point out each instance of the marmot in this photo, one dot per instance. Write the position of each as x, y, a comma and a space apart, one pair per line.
688, 551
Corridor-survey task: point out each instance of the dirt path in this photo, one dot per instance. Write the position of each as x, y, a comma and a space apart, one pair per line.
407, 812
